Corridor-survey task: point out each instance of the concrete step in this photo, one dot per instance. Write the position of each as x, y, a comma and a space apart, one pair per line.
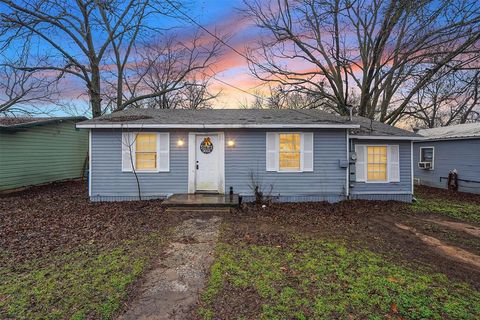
199, 209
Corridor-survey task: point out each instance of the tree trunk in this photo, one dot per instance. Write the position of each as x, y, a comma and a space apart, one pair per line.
94, 92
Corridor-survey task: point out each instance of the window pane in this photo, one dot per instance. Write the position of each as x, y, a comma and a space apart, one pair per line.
289, 151
146, 151
146, 142
377, 163
427, 154
146, 161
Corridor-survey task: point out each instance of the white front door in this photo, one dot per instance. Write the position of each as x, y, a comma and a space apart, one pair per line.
206, 162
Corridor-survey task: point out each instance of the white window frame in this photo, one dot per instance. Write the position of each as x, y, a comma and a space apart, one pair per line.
365, 164
157, 170
433, 155
301, 152
387, 169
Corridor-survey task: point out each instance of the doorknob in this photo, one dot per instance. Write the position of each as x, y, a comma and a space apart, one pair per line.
197, 166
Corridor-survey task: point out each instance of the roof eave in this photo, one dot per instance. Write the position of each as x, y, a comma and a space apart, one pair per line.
212, 126
390, 137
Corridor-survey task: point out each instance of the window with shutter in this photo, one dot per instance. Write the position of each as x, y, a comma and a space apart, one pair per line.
289, 152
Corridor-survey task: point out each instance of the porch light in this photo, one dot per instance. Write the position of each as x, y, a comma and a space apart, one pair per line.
230, 143
180, 142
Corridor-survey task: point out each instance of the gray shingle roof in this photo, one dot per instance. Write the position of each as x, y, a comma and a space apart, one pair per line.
18, 123
459, 131
242, 118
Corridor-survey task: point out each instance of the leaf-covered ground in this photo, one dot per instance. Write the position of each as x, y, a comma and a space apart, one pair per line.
340, 261
62, 257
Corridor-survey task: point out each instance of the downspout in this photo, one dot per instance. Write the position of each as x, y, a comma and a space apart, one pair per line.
347, 178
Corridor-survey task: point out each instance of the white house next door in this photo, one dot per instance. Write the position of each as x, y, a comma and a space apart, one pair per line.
207, 150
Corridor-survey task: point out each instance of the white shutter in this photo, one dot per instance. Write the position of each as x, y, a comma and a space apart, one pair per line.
128, 145
307, 151
393, 163
272, 151
360, 164
163, 151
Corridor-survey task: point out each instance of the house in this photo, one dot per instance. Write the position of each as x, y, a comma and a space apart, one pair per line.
449, 148
290, 155
39, 150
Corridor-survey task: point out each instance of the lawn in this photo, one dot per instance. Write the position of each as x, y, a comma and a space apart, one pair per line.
339, 261
88, 282
63, 257
460, 206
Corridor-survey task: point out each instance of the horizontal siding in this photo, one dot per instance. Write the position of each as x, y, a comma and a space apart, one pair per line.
109, 180
387, 191
463, 155
42, 154
246, 157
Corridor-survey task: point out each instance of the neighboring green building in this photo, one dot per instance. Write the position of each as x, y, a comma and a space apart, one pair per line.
40, 150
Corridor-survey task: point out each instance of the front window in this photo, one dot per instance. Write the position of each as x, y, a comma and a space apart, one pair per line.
289, 151
146, 151
377, 163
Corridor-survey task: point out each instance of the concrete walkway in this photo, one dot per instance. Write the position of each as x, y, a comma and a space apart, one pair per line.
171, 289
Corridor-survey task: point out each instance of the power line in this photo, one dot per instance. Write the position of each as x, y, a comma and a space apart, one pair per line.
224, 43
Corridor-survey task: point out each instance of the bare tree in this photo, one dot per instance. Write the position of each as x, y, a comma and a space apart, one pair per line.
370, 49
281, 97
80, 35
21, 91
169, 73
451, 97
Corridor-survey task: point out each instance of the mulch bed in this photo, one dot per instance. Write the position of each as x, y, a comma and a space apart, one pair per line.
59, 216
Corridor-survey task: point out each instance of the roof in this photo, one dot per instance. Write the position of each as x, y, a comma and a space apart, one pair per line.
458, 131
242, 118
19, 123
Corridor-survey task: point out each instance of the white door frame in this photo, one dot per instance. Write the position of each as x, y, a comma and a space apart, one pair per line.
192, 150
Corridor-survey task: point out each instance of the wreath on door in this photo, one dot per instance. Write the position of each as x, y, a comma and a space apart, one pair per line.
206, 146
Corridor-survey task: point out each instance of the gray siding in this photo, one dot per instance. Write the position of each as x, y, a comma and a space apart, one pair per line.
109, 182
400, 191
463, 155
247, 157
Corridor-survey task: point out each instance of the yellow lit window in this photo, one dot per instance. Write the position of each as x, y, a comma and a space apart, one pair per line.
146, 151
377, 163
289, 152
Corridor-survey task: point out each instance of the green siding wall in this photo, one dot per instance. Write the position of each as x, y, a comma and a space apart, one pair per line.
42, 154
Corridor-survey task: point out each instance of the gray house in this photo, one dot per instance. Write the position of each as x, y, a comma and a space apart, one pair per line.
290, 155
445, 149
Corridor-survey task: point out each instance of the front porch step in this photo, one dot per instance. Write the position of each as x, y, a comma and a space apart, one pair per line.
201, 200
219, 210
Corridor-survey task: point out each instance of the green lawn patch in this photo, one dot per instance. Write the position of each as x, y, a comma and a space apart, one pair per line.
459, 210
315, 279
89, 282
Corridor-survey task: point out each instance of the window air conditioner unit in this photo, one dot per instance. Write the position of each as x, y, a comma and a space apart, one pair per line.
425, 165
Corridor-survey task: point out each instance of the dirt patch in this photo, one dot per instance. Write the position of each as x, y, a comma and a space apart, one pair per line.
464, 227
170, 290
449, 251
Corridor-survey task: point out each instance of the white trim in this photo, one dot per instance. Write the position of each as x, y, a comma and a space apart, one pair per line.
192, 160
433, 155
386, 138
213, 126
347, 184
90, 163
277, 140
427, 139
365, 164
